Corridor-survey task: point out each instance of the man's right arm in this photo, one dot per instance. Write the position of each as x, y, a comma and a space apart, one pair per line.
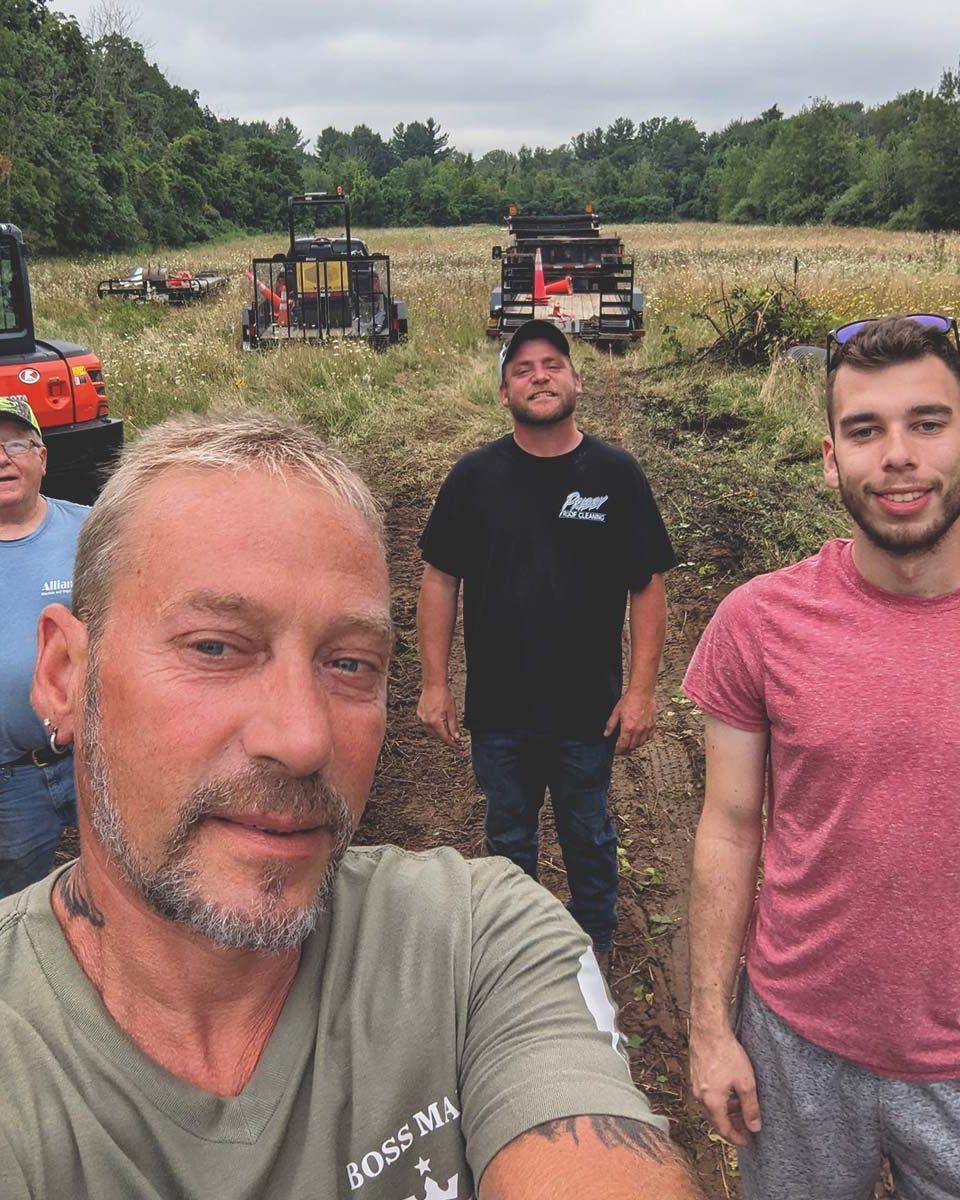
725, 859
595, 1157
436, 620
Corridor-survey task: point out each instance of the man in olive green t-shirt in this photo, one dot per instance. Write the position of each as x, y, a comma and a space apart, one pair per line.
203, 1004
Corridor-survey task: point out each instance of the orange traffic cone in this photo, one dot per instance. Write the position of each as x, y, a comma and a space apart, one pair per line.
282, 308
271, 296
560, 287
539, 287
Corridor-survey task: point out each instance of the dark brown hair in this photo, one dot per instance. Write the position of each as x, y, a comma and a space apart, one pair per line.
887, 342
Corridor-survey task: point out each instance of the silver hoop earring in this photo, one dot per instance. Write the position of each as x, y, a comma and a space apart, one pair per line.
53, 743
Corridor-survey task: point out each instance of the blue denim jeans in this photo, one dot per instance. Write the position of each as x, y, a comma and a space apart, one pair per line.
35, 804
514, 771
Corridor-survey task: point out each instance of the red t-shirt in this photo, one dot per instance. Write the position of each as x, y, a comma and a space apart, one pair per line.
855, 940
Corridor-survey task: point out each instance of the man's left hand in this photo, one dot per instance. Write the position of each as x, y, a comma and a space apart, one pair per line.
636, 714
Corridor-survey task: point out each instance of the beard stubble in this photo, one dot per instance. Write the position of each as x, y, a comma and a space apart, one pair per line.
173, 888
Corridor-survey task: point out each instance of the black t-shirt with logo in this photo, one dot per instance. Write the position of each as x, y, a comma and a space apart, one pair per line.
547, 549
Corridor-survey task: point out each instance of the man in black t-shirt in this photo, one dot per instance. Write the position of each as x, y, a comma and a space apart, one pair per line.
550, 531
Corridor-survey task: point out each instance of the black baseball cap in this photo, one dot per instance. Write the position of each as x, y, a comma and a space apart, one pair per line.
530, 331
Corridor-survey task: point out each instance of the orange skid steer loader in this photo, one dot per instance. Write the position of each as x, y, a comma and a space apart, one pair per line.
62, 382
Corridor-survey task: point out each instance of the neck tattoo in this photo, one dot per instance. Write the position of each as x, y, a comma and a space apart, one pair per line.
76, 898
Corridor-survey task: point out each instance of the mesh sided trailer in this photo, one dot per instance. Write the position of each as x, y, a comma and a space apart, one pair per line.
318, 299
178, 289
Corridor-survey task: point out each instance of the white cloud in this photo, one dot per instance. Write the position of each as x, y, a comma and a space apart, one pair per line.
540, 71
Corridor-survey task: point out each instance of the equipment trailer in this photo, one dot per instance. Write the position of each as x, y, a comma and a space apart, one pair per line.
322, 287
560, 269
62, 382
166, 287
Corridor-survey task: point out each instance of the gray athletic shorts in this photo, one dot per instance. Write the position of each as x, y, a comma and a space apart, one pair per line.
828, 1124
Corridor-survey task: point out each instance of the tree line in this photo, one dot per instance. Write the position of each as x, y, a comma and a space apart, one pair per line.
895, 164
99, 151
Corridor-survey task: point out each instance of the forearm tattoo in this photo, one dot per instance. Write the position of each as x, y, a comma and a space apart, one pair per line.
624, 1133
76, 898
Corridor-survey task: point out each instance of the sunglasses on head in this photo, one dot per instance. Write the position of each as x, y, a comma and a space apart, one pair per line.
843, 333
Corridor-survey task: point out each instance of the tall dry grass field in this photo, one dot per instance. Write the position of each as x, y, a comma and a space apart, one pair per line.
408, 410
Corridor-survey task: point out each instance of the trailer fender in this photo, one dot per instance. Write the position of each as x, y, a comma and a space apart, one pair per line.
399, 319
248, 336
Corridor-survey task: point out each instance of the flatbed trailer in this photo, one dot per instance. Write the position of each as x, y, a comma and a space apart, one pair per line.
163, 287
603, 304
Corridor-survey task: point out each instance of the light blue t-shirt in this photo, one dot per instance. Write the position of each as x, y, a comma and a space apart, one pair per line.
35, 571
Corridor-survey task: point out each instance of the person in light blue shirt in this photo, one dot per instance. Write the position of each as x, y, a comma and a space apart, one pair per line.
38, 542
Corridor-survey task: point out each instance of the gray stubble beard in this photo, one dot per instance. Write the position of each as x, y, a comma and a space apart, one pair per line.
171, 889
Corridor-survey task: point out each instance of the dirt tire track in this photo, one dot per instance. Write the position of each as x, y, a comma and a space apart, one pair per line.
424, 793
656, 796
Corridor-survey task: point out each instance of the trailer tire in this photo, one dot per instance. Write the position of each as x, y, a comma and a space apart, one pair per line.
808, 357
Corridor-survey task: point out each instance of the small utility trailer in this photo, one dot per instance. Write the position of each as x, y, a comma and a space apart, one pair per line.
326, 286
562, 269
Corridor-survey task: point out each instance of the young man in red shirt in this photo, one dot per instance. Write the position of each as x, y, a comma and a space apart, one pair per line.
834, 686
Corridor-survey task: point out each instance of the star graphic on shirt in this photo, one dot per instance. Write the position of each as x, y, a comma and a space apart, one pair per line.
423, 1166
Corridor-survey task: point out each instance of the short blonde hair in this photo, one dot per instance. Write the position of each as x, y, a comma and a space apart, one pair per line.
225, 441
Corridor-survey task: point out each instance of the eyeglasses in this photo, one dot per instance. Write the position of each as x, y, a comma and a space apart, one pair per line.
17, 446
843, 333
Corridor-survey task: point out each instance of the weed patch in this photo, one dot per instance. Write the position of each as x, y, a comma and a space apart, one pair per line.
735, 462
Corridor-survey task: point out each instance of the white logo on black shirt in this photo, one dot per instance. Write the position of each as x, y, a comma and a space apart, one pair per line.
583, 508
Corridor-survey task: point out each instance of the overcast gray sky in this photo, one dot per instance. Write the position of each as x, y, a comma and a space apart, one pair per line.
500, 75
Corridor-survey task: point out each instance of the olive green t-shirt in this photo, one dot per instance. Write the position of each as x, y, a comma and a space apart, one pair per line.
443, 1007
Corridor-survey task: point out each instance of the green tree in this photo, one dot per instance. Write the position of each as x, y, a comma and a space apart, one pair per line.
932, 154
370, 149
811, 161
735, 176
420, 139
